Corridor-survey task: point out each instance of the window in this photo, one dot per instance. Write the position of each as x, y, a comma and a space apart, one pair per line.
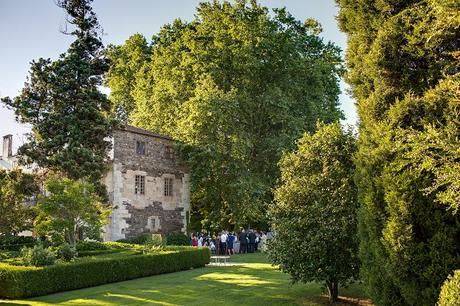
139, 184
169, 152
140, 147
153, 223
168, 187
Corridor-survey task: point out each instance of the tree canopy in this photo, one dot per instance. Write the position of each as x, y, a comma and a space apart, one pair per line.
403, 66
236, 86
16, 191
70, 117
315, 211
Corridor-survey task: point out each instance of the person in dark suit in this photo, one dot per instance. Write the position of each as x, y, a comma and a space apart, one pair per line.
243, 241
252, 241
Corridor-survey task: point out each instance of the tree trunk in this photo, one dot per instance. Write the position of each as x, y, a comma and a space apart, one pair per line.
333, 290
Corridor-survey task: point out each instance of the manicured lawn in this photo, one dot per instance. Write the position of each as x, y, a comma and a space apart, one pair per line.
252, 282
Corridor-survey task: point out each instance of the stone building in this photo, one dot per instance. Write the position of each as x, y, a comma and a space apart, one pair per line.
148, 189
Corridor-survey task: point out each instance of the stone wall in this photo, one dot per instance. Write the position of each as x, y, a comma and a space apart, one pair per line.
152, 212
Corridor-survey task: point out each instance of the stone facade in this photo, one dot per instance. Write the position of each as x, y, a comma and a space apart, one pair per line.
148, 189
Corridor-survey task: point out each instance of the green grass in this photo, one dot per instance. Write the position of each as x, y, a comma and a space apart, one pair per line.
253, 281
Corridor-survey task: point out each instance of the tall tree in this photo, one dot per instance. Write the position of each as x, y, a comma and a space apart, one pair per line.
16, 190
236, 86
70, 117
127, 63
403, 60
315, 210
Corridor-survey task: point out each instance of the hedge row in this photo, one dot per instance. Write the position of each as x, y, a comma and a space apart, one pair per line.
15, 243
21, 281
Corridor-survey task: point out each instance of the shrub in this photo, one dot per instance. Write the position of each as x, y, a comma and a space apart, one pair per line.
155, 244
450, 290
20, 281
177, 238
38, 256
15, 243
141, 239
83, 245
66, 252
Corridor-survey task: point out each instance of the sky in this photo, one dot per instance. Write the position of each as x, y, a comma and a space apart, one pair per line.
30, 29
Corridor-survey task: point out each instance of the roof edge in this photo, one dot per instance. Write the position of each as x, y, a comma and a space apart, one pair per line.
136, 130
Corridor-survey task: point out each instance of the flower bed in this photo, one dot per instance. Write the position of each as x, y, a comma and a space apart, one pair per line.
22, 281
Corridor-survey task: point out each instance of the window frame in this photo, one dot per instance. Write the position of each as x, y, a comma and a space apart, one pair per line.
169, 152
168, 187
139, 184
140, 147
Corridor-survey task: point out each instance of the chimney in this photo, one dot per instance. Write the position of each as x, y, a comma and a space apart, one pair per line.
7, 146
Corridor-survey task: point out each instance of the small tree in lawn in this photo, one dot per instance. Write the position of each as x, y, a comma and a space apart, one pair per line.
314, 214
67, 208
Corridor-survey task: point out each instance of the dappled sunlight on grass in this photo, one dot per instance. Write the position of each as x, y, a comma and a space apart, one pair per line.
255, 282
139, 299
237, 279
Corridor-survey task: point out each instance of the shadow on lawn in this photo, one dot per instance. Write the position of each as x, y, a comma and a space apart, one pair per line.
248, 284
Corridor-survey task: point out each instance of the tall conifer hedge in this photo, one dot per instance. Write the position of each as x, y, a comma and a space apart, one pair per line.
403, 66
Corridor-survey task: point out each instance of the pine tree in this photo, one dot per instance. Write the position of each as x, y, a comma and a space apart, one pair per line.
70, 117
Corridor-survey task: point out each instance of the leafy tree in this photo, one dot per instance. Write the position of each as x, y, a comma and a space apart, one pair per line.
68, 209
236, 86
403, 62
70, 118
315, 210
127, 63
16, 189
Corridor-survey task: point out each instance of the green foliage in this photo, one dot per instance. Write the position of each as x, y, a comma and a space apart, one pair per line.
38, 256
15, 243
314, 215
403, 60
177, 239
84, 245
68, 208
20, 281
141, 239
236, 86
70, 117
120, 245
127, 62
16, 189
66, 252
94, 248
450, 291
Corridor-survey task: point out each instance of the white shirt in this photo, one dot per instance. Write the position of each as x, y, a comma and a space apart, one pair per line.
223, 238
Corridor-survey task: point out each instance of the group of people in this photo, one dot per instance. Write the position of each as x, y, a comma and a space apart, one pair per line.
230, 243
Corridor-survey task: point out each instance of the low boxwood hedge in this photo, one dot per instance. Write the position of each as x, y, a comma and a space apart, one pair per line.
15, 243
21, 281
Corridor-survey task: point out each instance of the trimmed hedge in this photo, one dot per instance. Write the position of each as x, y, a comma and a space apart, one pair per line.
98, 252
20, 281
15, 243
83, 245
